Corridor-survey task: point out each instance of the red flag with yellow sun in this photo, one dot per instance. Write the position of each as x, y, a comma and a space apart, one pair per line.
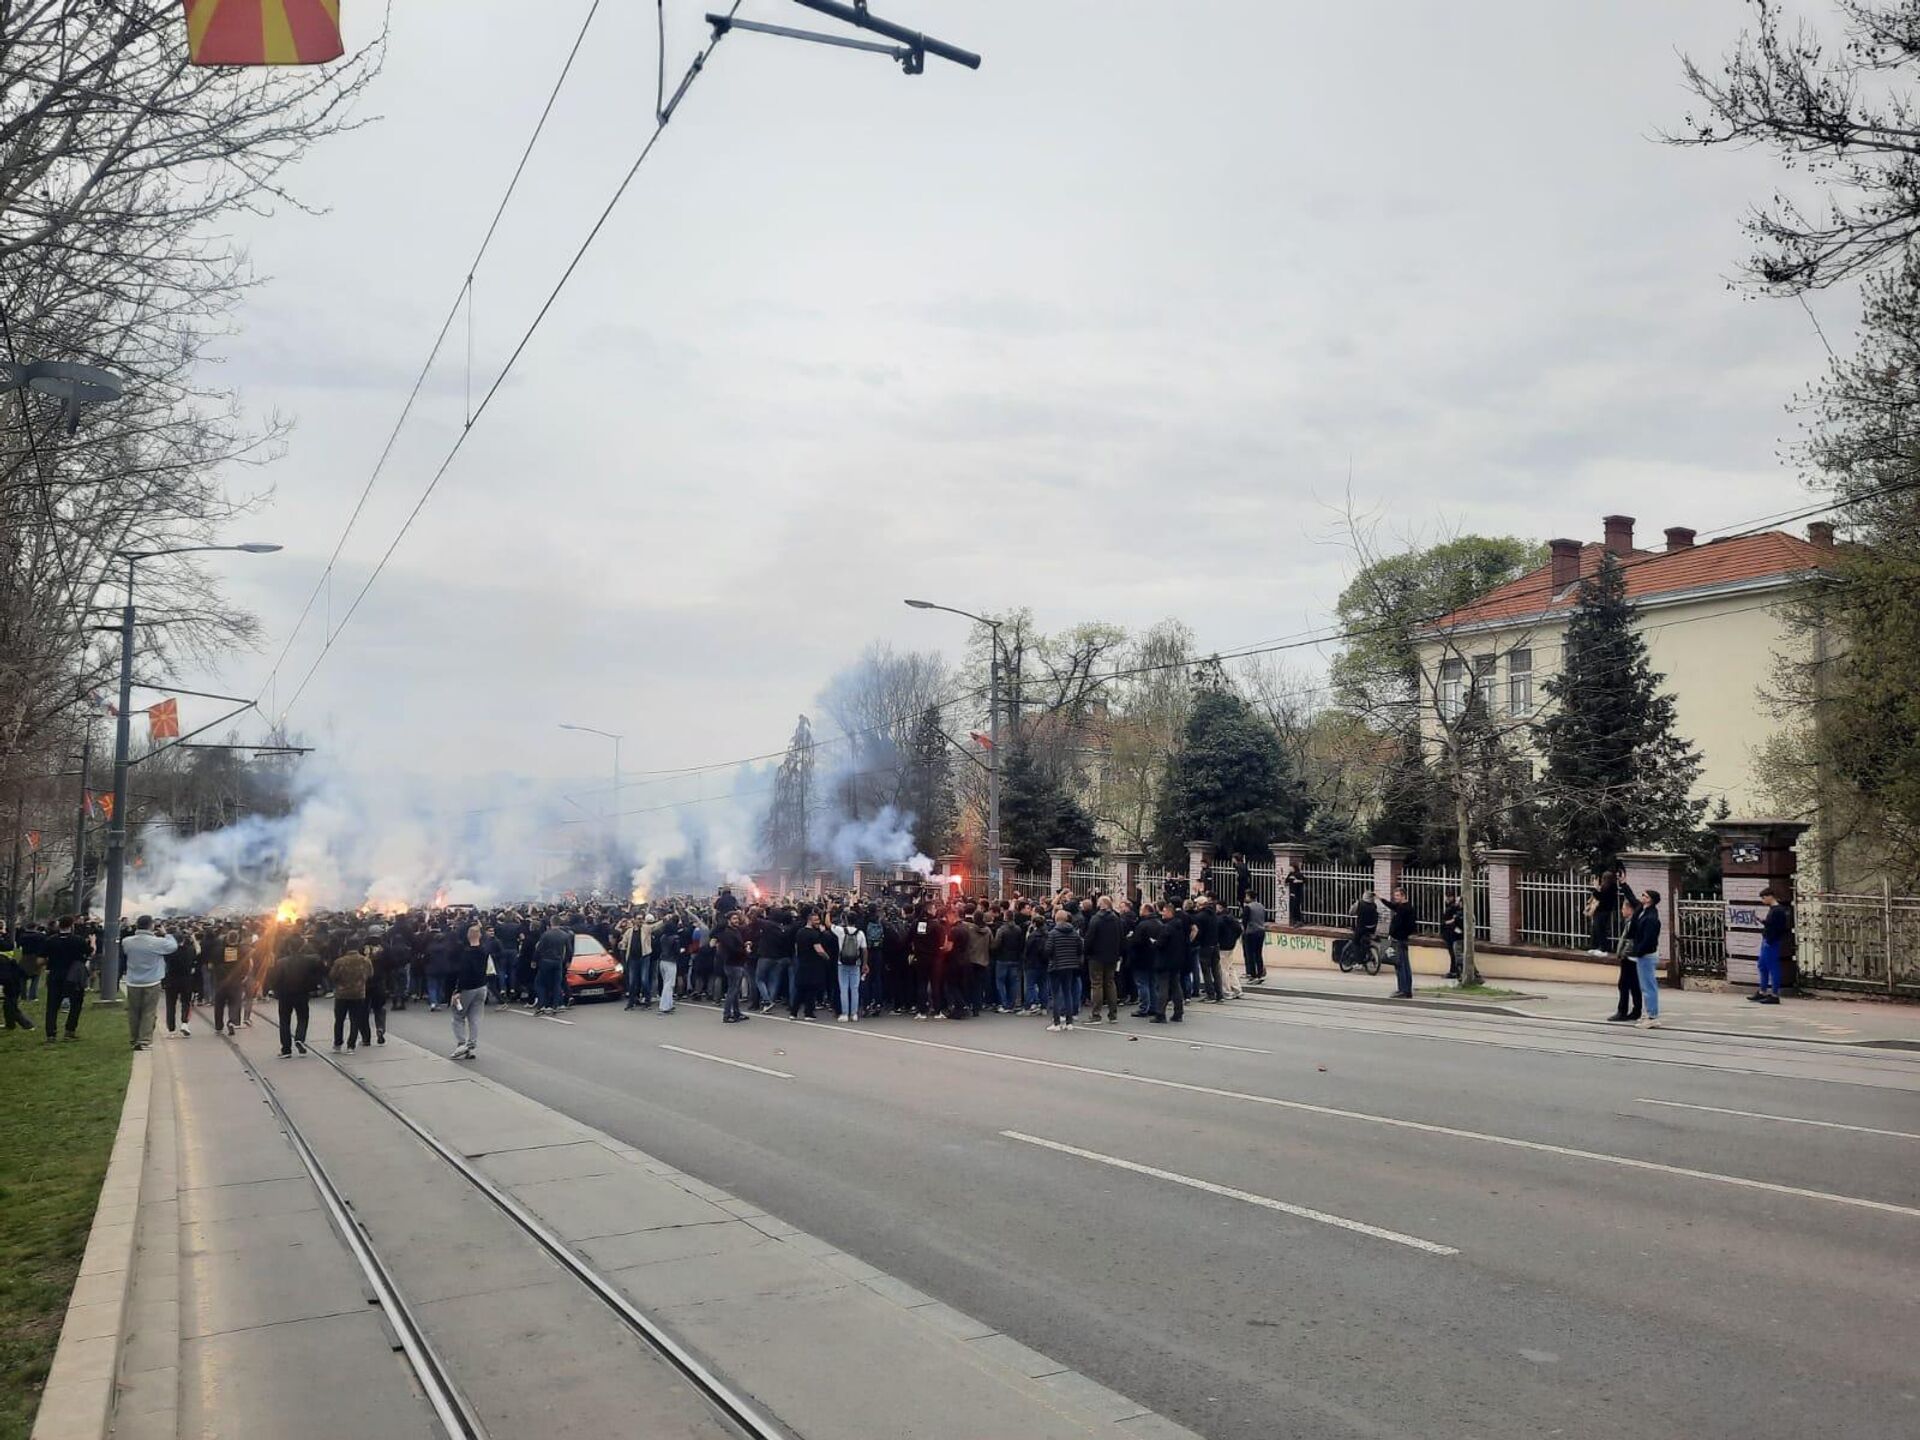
263, 32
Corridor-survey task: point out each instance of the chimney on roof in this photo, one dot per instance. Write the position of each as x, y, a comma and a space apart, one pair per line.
1820, 533
1619, 534
1566, 563
1679, 537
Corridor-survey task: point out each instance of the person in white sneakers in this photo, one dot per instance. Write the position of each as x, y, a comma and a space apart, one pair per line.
852, 964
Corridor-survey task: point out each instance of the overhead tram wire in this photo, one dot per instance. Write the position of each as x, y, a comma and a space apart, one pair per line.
463, 296
526, 338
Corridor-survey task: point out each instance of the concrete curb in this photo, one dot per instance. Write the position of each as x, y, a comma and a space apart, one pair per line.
77, 1401
1470, 1007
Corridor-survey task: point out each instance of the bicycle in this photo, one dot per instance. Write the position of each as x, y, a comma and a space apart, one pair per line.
1371, 961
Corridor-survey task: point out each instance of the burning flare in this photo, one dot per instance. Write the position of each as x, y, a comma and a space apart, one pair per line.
289, 911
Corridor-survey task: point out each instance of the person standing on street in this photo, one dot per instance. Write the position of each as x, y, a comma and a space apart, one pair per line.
68, 957
1627, 1010
853, 964
1170, 963
551, 954
144, 954
13, 976
1775, 929
1643, 944
352, 975
1253, 941
1143, 947
1105, 935
1065, 950
1399, 934
732, 944
183, 970
294, 977
1453, 933
468, 997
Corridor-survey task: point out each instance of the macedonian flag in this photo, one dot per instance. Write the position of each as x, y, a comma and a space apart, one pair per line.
163, 720
263, 32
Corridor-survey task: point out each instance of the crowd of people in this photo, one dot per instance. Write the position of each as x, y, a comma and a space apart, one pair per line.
1076, 960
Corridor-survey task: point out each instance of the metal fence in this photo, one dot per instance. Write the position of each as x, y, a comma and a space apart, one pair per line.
1089, 879
1030, 885
1429, 889
1331, 891
1699, 924
1553, 909
1859, 940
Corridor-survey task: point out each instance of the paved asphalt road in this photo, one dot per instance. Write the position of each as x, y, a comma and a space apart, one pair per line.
1420, 1225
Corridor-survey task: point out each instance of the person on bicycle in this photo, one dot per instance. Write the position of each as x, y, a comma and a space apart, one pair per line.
1364, 918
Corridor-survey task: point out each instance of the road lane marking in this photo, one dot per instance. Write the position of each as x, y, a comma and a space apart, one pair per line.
1783, 1119
1264, 1201
723, 1060
1171, 1039
1541, 1147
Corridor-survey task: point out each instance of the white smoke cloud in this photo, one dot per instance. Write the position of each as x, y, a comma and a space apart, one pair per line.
888, 837
356, 840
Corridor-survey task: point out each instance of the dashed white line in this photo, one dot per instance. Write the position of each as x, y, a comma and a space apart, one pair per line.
723, 1060
1265, 1202
1569, 1152
1783, 1119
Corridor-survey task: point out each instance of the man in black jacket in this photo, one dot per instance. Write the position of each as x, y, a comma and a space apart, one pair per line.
551, 956
1105, 934
1399, 932
1170, 963
1142, 947
68, 956
294, 977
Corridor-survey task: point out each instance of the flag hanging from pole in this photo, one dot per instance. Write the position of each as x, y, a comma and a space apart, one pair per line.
33, 839
93, 805
106, 806
981, 740
263, 32
163, 720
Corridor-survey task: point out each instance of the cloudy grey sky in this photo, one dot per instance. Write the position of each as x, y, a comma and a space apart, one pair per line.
1099, 329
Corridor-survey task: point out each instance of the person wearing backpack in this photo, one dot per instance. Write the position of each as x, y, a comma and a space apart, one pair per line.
852, 966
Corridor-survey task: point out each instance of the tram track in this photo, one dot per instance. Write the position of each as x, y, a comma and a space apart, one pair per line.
455, 1413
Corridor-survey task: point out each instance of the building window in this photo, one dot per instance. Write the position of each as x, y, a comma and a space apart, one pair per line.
1486, 678
1520, 682
1453, 675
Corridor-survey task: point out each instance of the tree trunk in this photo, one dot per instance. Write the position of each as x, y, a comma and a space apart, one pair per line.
1463, 841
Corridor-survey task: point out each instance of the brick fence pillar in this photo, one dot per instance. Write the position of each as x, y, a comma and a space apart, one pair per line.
1059, 862
1124, 874
1199, 852
1287, 855
1644, 870
1504, 915
1389, 865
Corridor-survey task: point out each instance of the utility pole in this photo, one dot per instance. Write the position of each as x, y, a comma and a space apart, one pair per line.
993, 767
80, 826
117, 822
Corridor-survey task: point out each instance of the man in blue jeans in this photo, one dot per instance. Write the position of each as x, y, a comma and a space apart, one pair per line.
1399, 932
551, 956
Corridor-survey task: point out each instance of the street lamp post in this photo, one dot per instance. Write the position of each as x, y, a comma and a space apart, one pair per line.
122, 742
993, 739
613, 810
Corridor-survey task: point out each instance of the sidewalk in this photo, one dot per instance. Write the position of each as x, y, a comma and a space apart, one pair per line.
1827, 1019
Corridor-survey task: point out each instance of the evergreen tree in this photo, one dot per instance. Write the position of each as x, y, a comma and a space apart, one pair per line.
1619, 775
926, 784
784, 828
1229, 782
1038, 811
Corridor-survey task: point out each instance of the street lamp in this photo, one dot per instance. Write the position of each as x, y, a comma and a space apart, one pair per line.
613, 810
993, 738
122, 740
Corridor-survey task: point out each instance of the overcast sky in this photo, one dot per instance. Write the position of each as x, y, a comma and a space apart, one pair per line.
1098, 329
